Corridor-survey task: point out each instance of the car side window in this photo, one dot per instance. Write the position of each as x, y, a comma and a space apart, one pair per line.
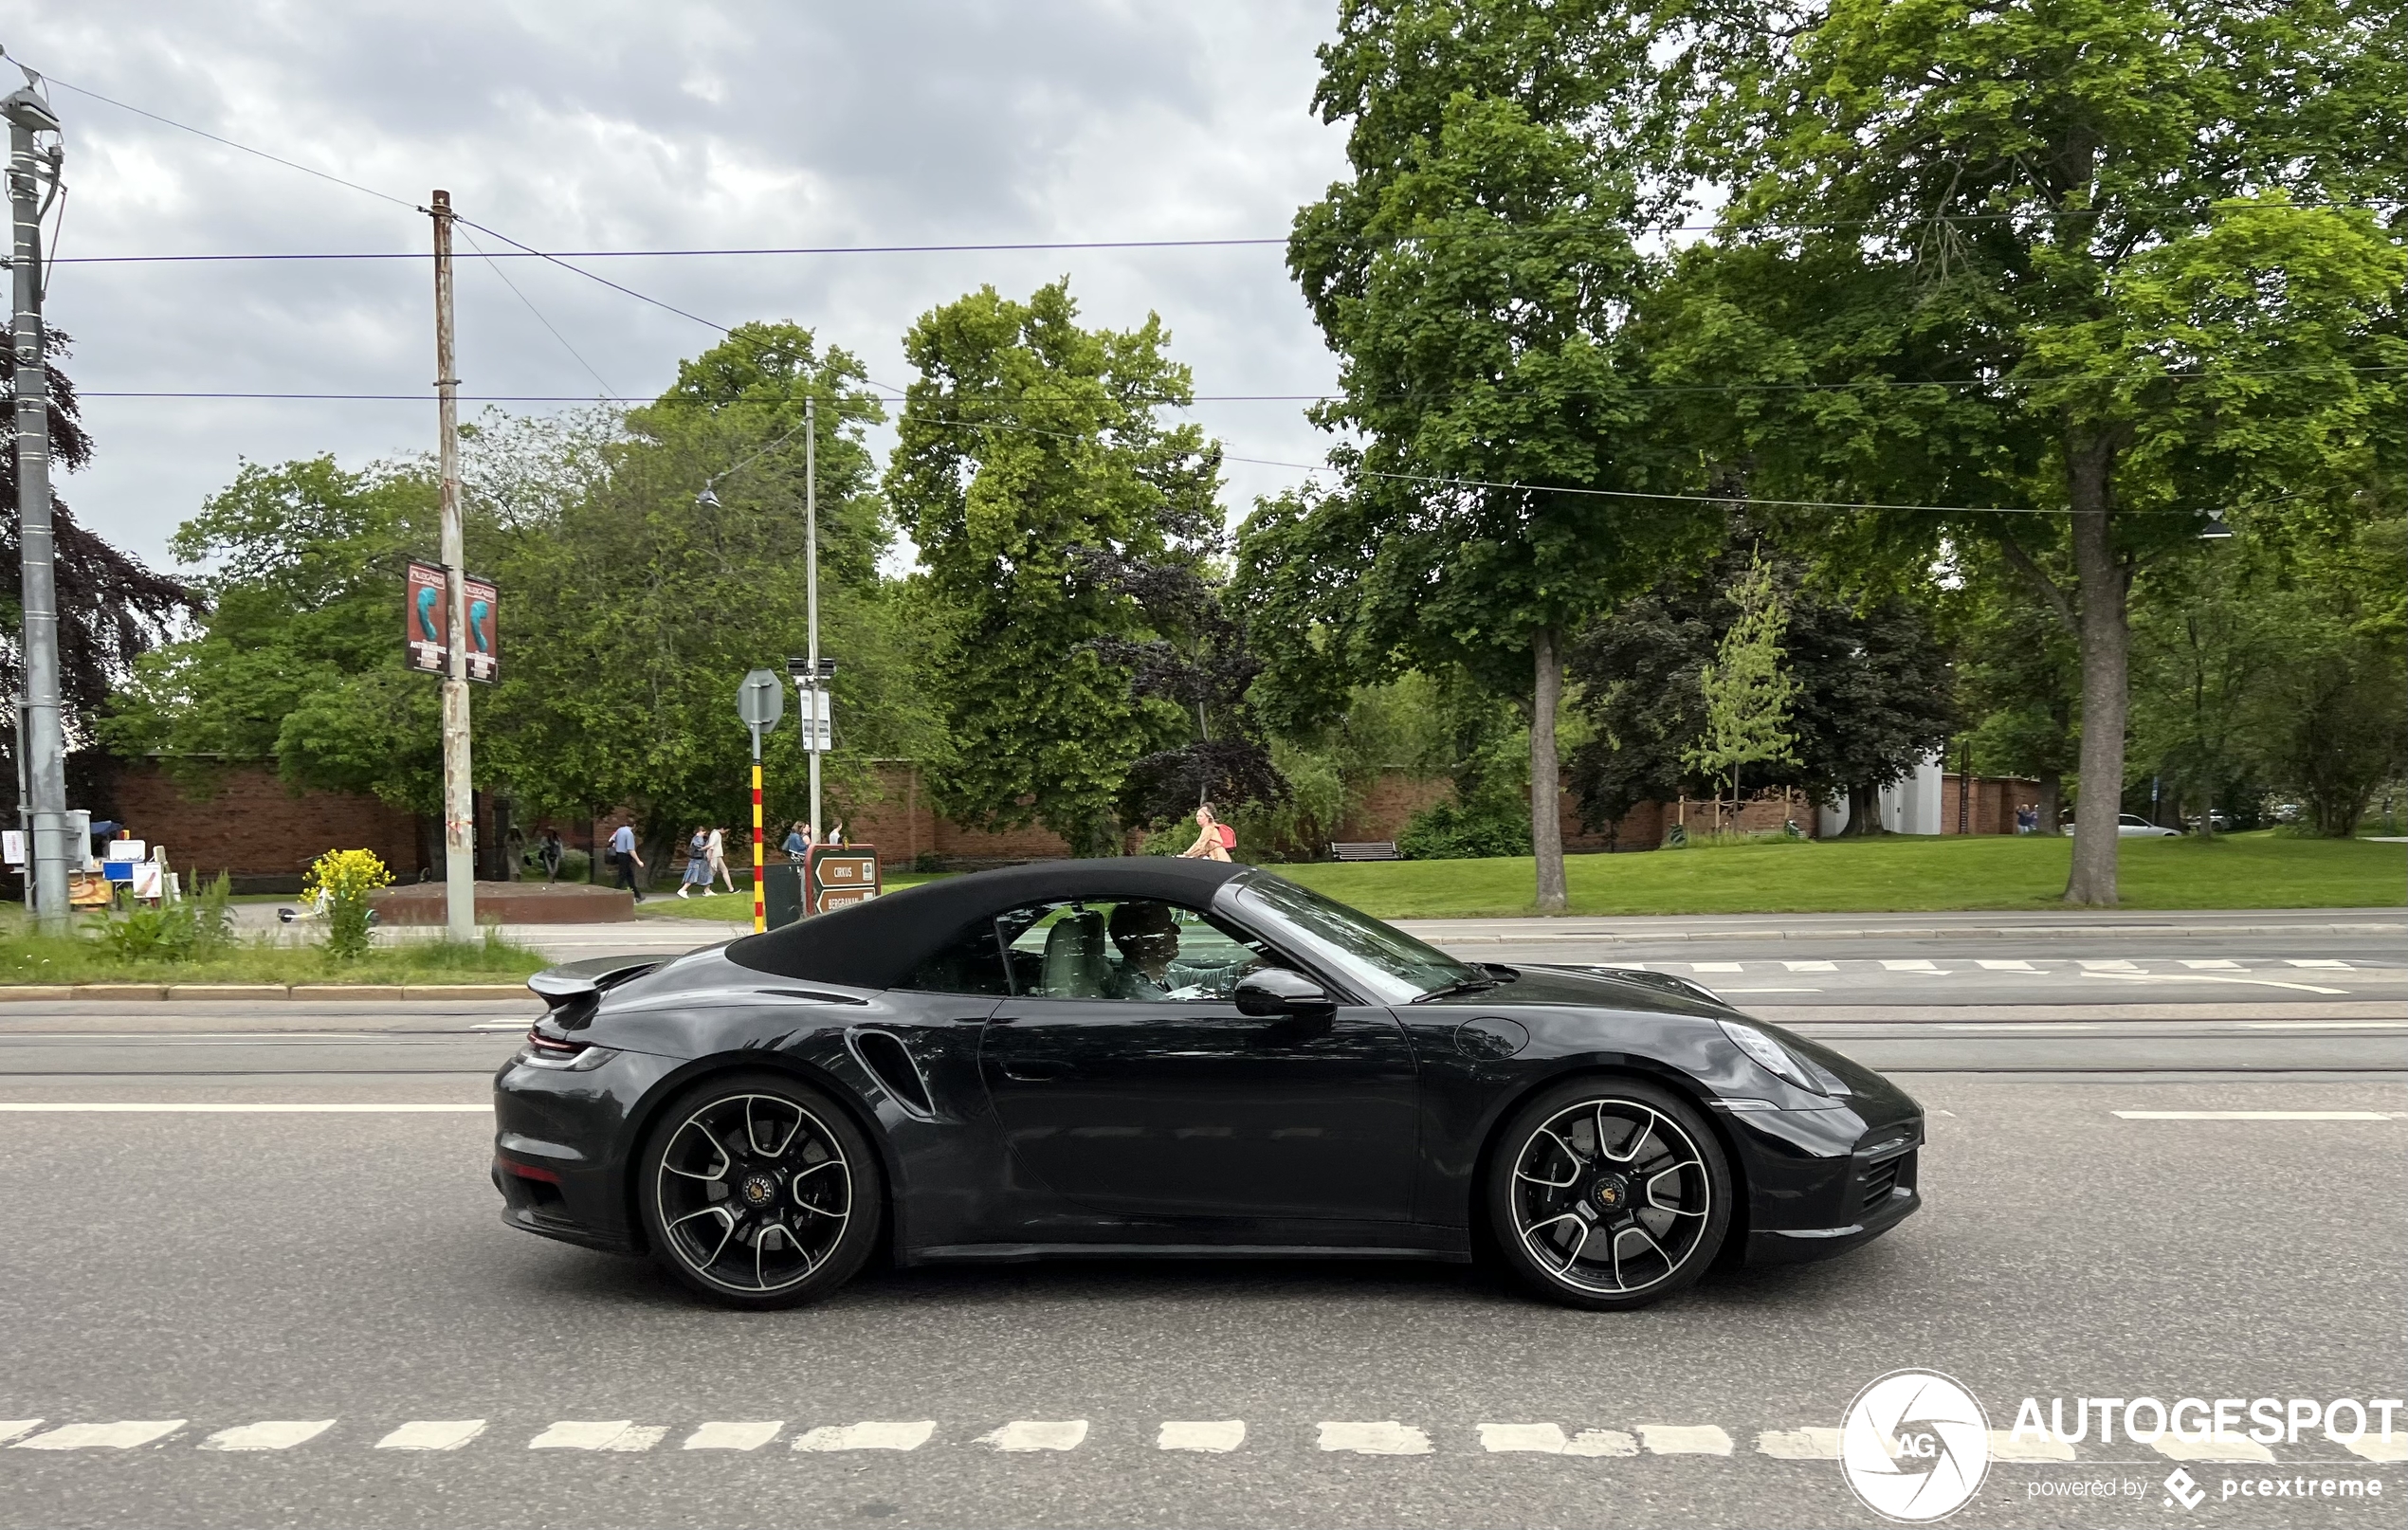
972, 964
1145, 949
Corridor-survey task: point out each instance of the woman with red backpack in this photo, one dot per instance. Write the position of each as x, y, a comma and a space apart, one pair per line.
1213, 839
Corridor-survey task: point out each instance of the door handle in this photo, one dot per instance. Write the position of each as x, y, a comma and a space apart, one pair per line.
1035, 1069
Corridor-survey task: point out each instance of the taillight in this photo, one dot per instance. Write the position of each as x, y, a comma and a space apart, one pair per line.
553, 1047
527, 1171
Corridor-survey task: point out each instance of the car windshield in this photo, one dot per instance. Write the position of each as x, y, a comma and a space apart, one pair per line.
1385, 963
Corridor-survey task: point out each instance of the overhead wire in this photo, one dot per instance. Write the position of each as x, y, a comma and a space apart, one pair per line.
531, 252
607, 390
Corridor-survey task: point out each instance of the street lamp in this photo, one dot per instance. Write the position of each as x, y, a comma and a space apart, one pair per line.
2215, 530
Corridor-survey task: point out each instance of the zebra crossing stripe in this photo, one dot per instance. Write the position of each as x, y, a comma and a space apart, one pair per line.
2218, 1447
432, 1434
868, 1436
271, 1434
2005, 1446
12, 1428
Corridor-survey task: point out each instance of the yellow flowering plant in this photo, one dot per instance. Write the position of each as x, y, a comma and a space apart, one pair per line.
343, 879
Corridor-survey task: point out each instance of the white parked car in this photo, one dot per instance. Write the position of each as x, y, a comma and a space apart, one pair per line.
2132, 825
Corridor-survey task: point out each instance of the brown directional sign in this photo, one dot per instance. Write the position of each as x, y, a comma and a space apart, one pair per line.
426, 623
840, 874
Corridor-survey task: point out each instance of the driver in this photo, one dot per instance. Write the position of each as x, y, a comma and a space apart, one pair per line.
1148, 937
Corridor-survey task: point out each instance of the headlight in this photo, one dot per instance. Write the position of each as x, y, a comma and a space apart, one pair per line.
1776, 1057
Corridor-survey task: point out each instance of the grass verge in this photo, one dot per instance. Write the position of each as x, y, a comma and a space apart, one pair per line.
1894, 874
27, 958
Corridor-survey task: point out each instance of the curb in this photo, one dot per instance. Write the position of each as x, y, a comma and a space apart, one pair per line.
221, 992
1544, 937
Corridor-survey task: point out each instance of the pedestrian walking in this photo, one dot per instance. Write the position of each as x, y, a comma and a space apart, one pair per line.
698, 866
715, 853
623, 855
550, 852
797, 843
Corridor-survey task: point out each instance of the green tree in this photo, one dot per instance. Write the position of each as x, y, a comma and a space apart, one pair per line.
1032, 469
631, 610
1871, 694
1476, 274
299, 660
2018, 681
1745, 690
2105, 259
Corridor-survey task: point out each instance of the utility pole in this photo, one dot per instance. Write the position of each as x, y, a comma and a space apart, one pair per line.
42, 735
811, 596
459, 801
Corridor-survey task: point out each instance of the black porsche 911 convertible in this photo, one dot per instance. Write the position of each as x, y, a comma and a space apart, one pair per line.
1168, 1057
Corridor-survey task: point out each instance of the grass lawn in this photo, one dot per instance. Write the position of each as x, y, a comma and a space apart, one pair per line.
32, 958
737, 908
1888, 875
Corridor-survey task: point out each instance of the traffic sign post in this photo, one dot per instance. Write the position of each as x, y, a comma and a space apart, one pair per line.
760, 700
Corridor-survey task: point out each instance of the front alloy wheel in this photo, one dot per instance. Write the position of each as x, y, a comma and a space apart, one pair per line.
1609, 1193
758, 1192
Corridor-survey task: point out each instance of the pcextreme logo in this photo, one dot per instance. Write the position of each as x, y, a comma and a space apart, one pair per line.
1914, 1446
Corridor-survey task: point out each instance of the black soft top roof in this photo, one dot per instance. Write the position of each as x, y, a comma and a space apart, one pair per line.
876, 945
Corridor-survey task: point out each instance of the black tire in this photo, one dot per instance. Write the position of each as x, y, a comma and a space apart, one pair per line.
1659, 1193
793, 1209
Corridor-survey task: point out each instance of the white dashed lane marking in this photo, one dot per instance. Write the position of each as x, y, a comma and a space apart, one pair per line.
1385, 1438
1038, 1434
1216, 1436
599, 1434
274, 1434
1914, 964
2225, 1448
432, 1434
1684, 1439
1549, 1439
2007, 965
2252, 1115
869, 1436
717, 1436
122, 1435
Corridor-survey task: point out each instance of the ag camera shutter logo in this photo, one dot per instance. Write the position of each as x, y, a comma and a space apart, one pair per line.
1914, 1446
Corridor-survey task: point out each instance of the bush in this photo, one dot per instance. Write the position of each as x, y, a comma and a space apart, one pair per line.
1445, 831
344, 879
186, 930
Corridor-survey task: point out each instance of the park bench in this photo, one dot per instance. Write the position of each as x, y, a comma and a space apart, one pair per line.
1375, 850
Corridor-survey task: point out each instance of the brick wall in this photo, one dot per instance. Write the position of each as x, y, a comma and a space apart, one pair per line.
250, 824
1988, 802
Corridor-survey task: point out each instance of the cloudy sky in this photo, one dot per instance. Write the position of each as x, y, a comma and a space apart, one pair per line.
673, 124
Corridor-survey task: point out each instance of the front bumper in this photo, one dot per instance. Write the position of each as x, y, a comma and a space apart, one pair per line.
1824, 1182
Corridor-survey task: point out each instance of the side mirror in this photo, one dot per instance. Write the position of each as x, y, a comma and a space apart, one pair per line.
1271, 992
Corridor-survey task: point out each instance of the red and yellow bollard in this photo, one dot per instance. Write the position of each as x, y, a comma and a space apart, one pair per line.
760, 909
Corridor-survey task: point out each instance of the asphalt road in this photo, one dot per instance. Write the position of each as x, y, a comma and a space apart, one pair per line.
239, 1277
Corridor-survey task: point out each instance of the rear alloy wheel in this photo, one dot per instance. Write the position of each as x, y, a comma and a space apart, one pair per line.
1609, 1193
758, 1192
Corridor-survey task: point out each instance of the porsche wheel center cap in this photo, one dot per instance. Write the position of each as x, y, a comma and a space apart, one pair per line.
1612, 1193
758, 1191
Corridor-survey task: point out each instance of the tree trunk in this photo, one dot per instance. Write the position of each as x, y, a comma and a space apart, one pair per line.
1546, 825
1864, 812
2100, 581
2052, 801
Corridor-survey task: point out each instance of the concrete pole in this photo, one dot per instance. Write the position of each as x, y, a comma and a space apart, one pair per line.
811, 594
42, 741
459, 801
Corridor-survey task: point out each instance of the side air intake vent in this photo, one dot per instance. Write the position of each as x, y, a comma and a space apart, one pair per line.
890, 1062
